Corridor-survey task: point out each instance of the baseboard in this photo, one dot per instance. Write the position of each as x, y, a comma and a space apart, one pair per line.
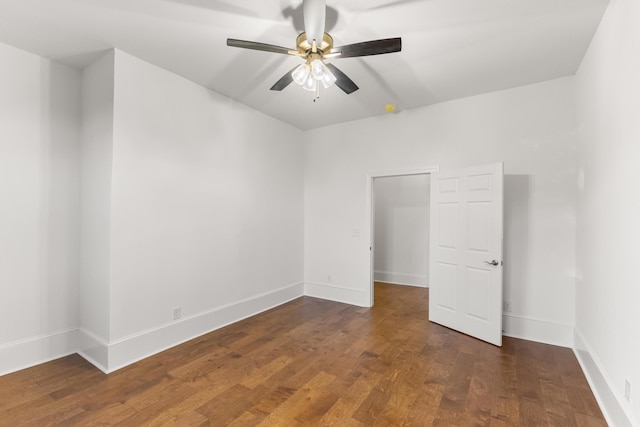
336, 293
396, 278
128, 350
29, 352
537, 330
401, 284
615, 409
94, 349
111, 356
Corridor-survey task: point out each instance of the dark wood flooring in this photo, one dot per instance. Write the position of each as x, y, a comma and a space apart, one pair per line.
313, 362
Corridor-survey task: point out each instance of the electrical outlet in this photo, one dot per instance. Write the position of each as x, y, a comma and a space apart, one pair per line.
506, 306
177, 313
627, 390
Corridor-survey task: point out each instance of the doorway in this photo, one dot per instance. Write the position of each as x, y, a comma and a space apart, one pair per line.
399, 215
465, 257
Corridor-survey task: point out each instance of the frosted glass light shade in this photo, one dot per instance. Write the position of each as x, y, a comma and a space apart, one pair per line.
309, 76
310, 84
318, 69
301, 73
328, 79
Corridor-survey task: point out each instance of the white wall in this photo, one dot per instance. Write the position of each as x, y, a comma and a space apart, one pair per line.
97, 147
401, 229
176, 197
39, 208
206, 211
530, 129
607, 315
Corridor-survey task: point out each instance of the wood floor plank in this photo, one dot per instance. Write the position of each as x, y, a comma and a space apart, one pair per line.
261, 374
481, 394
154, 403
369, 410
402, 394
343, 409
531, 404
226, 406
505, 411
313, 362
309, 394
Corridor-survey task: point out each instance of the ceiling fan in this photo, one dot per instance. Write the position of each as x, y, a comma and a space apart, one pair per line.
315, 46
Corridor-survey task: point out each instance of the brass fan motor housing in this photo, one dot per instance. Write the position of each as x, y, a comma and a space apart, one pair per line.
307, 51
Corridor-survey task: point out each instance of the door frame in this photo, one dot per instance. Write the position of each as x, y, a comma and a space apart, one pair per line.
370, 217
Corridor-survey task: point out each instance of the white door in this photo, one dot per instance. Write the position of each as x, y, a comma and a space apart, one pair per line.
465, 254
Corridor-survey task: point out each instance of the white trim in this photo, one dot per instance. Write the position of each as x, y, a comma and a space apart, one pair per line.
94, 349
395, 278
538, 330
116, 354
127, 350
29, 352
369, 218
404, 172
389, 282
615, 410
336, 293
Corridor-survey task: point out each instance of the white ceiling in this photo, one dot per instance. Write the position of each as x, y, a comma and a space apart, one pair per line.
451, 48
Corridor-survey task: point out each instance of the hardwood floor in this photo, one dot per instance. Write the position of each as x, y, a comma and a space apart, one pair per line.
314, 362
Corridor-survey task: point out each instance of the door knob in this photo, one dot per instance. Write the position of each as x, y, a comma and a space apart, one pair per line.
492, 262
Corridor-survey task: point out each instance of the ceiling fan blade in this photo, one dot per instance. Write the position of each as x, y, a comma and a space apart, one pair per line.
373, 47
244, 44
284, 80
342, 81
314, 12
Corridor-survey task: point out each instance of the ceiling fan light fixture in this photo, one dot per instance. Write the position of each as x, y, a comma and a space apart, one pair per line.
310, 84
328, 79
321, 73
318, 69
301, 74
313, 45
